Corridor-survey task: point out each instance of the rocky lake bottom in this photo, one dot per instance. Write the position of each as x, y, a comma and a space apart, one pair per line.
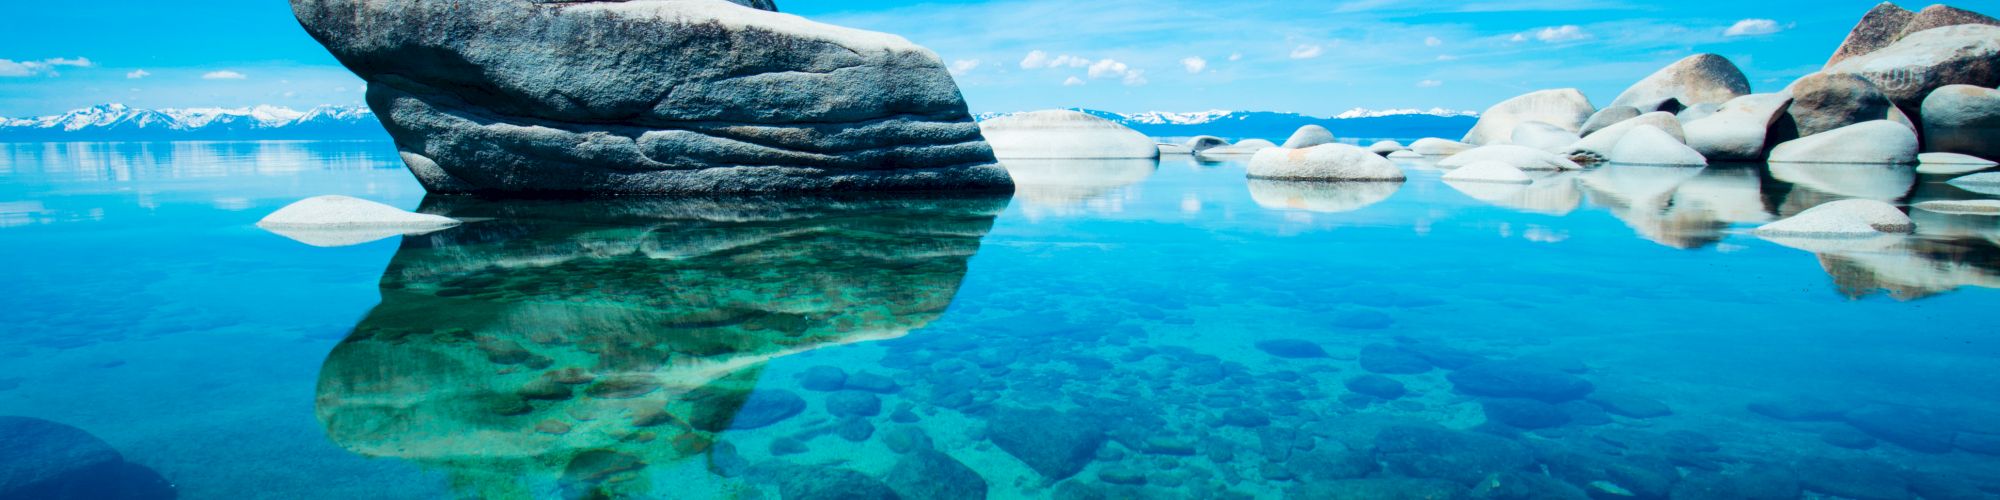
1116, 329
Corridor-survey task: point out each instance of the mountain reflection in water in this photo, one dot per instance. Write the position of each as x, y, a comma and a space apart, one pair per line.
565, 346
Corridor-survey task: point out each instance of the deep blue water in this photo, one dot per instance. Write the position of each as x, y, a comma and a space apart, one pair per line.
1115, 330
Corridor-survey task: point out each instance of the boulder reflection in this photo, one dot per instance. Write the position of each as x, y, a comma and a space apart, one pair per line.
558, 348
1064, 187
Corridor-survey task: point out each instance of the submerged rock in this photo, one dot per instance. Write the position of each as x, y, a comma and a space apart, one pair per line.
1697, 79
1292, 348
1521, 157
1565, 109
46, 460
1843, 218
1382, 358
929, 474
1054, 444
1489, 171
1461, 457
1523, 413
1648, 145
1377, 386
1519, 379
1325, 162
1064, 134
1951, 163
1916, 429
655, 97
334, 220
1878, 142
1739, 130
1630, 405
1309, 136
1243, 147
830, 483
1963, 119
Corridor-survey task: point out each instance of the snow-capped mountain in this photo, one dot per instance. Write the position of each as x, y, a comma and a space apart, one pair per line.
1354, 123
118, 122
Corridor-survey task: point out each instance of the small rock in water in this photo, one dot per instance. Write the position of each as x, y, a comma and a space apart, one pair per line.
870, 382
1524, 413
1630, 405
1962, 207
903, 416
1122, 475
823, 378
1167, 445
905, 439
1292, 348
1377, 385
624, 386
1916, 429
759, 409
853, 404
1441, 356
1363, 319
1386, 359
332, 220
1054, 444
855, 429
787, 446
830, 483
1800, 410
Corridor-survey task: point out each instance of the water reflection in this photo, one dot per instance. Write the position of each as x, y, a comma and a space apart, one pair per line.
1074, 187
561, 348
1324, 197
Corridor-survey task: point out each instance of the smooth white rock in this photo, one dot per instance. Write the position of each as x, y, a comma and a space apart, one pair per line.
1842, 219
1597, 147
1648, 145
1962, 119
1325, 162
1521, 157
1874, 142
1489, 171
1737, 130
1951, 164
1406, 154
1174, 150
1064, 134
1309, 136
1565, 108
1244, 147
1385, 147
1962, 207
334, 220
1543, 136
1432, 146
1607, 117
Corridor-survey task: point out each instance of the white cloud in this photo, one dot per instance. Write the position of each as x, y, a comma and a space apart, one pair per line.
1073, 81
1307, 51
1429, 84
1135, 77
1564, 33
1753, 27
963, 66
1194, 64
45, 67
1038, 60
1518, 38
1034, 60
1447, 57
1236, 56
223, 75
81, 62
1108, 68
137, 74
1433, 42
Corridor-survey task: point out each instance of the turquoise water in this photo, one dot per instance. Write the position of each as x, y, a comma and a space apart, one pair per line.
1115, 330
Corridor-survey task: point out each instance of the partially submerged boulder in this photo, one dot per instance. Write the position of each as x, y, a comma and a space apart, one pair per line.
1386, 147
1962, 207
1697, 79
1564, 108
1648, 145
1521, 157
1986, 183
334, 220
1963, 119
1842, 219
1243, 147
1406, 155
1205, 142
1489, 171
1432, 146
1309, 136
1827, 101
1908, 70
1174, 150
1543, 136
1876, 142
1325, 162
652, 97
1066, 134
1597, 147
1738, 130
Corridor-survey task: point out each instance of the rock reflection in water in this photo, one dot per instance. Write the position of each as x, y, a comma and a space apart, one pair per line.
1071, 187
1324, 197
1552, 193
561, 347
1948, 251
1680, 207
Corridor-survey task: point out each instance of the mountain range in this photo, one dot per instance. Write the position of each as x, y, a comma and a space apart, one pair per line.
118, 122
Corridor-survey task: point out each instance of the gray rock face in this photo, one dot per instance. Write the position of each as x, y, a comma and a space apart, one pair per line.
1824, 101
1911, 68
1698, 79
1879, 142
1963, 119
1940, 15
1882, 26
652, 96
1737, 131
1564, 108
1607, 117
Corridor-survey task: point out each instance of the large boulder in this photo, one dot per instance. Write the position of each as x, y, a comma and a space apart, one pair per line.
1243, 147
1543, 136
1597, 147
1911, 68
1432, 146
1489, 171
1697, 79
1565, 108
1521, 157
1882, 26
48, 460
1827, 101
334, 220
652, 97
1201, 143
1940, 15
1325, 162
1065, 134
1607, 117
1738, 130
1309, 136
1963, 119
1648, 145
1876, 142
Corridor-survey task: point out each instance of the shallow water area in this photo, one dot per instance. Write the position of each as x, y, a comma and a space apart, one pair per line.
1116, 329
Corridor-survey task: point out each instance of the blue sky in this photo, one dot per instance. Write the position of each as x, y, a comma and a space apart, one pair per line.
1314, 57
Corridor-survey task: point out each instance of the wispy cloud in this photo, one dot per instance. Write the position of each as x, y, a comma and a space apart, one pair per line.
1194, 64
137, 74
1429, 84
223, 75
1306, 51
1074, 81
963, 66
45, 67
1559, 34
1753, 27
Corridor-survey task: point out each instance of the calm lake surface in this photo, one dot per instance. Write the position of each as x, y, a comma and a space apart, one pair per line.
1114, 330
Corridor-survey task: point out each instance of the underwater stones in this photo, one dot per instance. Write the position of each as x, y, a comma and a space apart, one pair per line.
1122, 475
827, 483
1380, 488
333, 221
1842, 219
1442, 356
872, 382
1362, 319
1517, 485
569, 376
823, 378
1490, 172
853, 404
623, 386
1697, 79
1055, 444
1308, 136
1245, 417
1847, 438
906, 439
1519, 379
1877, 142
1739, 129
1757, 482
1800, 409
1565, 109
1386, 359
761, 409
1859, 479
1523, 413
1064, 134
597, 466
1630, 405
1432, 146
1911, 68
1521, 157
854, 429
1607, 117
1648, 145
1377, 386
1202, 143
1915, 429
1325, 162
1962, 119
929, 474
49, 460
1292, 348
1962, 207
1462, 457
1169, 445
